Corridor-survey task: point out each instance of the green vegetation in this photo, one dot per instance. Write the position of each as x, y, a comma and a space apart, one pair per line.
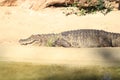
29, 71
91, 8
49, 43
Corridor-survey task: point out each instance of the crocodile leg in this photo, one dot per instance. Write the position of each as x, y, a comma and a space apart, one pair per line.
61, 43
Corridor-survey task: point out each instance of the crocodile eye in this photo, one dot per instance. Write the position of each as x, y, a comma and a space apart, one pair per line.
32, 36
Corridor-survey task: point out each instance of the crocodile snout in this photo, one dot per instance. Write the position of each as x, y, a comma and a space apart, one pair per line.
22, 42
25, 41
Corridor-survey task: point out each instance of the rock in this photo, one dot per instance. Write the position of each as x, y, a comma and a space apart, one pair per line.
40, 4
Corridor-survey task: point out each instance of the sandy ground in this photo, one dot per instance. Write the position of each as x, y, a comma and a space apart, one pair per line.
17, 23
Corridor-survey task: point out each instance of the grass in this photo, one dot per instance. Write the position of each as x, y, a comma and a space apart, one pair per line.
82, 10
29, 71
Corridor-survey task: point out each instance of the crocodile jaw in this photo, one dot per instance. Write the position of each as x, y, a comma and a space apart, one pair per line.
25, 41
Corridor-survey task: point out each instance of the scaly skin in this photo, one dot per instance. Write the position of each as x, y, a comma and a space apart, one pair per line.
75, 38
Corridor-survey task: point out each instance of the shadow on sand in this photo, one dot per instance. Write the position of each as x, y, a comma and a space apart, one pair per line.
110, 56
